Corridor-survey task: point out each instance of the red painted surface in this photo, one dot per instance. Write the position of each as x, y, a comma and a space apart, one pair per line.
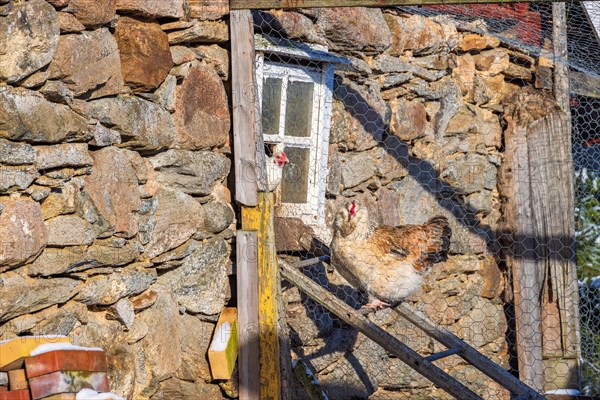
526, 25
67, 382
66, 360
15, 395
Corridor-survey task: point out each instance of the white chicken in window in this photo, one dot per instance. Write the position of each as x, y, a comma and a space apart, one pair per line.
274, 167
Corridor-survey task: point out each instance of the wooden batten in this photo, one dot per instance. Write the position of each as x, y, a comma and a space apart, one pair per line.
247, 321
261, 219
244, 106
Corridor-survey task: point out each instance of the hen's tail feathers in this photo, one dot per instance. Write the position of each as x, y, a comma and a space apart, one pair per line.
439, 239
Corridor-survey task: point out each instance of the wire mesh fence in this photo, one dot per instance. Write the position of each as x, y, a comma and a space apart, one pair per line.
403, 130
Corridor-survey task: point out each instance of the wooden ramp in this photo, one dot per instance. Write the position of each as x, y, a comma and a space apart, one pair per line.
423, 365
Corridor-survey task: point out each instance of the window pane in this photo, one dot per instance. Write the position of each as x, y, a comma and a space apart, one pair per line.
298, 110
294, 187
271, 104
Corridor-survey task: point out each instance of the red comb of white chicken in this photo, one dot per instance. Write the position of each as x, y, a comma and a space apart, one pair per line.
274, 167
388, 263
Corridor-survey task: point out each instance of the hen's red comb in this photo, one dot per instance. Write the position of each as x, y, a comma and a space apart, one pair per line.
353, 208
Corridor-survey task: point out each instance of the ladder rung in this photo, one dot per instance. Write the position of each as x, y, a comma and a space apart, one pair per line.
442, 354
310, 261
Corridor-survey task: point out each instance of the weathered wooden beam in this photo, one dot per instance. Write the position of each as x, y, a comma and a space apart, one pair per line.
270, 4
248, 334
537, 182
244, 106
525, 111
376, 333
261, 219
561, 68
584, 84
560, 306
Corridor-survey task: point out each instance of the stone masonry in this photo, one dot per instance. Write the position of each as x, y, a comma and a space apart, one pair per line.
116, 218
116, 222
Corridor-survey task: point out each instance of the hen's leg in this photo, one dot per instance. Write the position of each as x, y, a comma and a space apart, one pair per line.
376, 304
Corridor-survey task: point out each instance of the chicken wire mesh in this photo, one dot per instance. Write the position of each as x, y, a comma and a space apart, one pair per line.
405, 114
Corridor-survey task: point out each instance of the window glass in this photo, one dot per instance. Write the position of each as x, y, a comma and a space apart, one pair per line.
271, 104
298, 110
295, 176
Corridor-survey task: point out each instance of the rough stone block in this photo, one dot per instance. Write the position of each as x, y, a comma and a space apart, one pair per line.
201, 32
93, 13
208, 9
35, 119
69, 230
201, 110
62, 155
145, 56
30, 32
152, 8
356, 28
66, 360
67, 382
89, 63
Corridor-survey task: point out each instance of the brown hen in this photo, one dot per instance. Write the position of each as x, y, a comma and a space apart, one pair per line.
388, 263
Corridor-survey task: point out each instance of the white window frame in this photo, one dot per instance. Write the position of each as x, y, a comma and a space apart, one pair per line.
313, 211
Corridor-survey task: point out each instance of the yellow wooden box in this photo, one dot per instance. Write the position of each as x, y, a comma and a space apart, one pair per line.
14, 351
223, 349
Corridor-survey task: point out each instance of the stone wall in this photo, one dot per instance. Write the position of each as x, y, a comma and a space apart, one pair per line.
116, 222
115, 218
416, 132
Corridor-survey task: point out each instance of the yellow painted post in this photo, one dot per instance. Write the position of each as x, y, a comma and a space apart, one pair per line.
261, 219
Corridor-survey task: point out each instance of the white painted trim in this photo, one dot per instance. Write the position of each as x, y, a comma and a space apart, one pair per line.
313, 211
294, 49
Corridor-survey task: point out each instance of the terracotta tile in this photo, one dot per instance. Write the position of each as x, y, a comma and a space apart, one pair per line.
15, 395
66, 360
67, 382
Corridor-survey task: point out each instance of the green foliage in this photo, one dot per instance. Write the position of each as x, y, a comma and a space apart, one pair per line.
587, 223
587, 234
589, 308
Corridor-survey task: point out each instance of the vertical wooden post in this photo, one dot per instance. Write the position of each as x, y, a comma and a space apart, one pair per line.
246, 193
561, 69
261, 219
537, 183
247, 325
244, 106
527, 278
560, 306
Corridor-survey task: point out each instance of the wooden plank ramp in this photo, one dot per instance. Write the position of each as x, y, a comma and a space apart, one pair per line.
423, 365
